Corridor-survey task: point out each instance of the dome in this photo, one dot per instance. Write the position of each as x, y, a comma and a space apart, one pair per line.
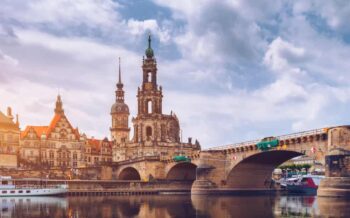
120, 108
149, 53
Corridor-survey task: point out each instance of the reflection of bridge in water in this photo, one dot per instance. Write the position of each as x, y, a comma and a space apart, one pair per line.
243, 166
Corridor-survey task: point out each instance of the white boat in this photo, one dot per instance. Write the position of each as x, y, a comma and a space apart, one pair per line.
9, 188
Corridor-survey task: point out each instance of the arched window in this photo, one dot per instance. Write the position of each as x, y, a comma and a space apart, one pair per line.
149, 77
148, 131
149, 107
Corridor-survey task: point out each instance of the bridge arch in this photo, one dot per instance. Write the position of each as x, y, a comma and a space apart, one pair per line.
182, 171
254, 172
129, 173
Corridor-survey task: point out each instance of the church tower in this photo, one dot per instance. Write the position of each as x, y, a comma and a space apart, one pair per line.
150, 124
120, 115
150, 96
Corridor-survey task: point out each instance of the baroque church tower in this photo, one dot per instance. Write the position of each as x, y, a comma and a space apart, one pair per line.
120, 115
156, 135
151, 125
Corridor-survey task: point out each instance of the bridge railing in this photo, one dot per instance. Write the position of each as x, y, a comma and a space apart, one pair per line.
304, 133
282, 137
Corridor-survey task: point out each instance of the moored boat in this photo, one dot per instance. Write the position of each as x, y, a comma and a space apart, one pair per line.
9, 188
306, 184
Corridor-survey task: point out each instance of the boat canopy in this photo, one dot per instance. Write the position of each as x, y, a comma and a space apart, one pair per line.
267, 144
181, 158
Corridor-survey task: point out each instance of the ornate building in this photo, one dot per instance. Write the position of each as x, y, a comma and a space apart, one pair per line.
57, 145
155, 134
98, 151
9, 139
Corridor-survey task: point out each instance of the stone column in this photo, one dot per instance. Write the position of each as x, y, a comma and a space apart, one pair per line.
337, 181
209, 172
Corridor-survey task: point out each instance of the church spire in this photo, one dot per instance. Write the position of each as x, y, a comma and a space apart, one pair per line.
119, 92
119, 84
59, 106
149, 51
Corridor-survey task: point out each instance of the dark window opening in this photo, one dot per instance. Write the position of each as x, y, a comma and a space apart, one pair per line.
148, 131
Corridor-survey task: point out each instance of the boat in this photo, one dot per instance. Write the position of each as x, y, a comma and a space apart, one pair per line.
9, 188
304, 184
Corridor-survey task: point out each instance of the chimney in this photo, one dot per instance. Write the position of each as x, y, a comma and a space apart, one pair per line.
9, 113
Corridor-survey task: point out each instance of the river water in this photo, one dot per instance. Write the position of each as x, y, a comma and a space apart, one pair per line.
163, 206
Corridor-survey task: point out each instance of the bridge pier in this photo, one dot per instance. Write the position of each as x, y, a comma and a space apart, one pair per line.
337, 181
337, 160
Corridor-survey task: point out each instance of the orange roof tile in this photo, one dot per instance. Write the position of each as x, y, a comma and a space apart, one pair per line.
54, 122
39, 130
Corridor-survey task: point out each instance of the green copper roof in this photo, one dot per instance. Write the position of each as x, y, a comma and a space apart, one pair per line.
149, 51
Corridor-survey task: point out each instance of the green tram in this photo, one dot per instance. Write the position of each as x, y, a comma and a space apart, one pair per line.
181, 158
267, 143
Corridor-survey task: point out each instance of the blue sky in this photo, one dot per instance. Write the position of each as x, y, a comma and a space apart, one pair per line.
231, 70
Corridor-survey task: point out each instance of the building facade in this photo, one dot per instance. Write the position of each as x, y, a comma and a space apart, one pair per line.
9, 139
55, 145
155, 134
98, 152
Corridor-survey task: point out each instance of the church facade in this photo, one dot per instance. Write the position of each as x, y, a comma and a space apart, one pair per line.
155, 134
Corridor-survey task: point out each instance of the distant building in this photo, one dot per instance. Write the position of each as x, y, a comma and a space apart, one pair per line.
55, 145
9, 139
98, 152
155, 134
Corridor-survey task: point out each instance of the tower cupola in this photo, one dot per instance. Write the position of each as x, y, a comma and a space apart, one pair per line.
149, 51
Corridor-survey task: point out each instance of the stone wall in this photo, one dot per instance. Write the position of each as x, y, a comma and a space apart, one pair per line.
8, 160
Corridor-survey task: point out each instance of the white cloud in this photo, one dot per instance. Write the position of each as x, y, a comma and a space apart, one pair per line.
138, 28
7, 60
62, 12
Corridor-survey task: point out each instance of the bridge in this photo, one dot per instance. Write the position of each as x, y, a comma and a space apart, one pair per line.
244, 166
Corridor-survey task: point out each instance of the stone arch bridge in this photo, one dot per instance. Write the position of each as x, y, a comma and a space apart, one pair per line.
238, 166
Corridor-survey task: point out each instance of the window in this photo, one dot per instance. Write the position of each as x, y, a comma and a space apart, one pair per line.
4, 192
148, 131
20, 191
75, 156
149, 107
28, 191
149, 77
12, 192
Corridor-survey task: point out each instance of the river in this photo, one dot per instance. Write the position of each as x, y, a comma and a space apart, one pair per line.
163, 206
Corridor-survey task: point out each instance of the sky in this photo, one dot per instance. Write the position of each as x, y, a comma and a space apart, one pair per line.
232, 71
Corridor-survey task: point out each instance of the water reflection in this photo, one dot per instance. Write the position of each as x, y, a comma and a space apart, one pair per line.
174, 206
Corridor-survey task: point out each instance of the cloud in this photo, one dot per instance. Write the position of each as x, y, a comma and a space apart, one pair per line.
138, 28
62, 12
7, 60
231, 70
